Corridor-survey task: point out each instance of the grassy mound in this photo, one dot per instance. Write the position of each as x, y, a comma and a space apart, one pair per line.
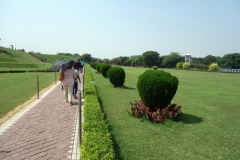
17, 60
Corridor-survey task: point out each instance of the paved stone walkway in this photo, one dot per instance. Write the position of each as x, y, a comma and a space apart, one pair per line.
47, 129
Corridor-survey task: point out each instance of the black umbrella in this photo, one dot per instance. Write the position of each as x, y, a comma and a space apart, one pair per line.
62, 64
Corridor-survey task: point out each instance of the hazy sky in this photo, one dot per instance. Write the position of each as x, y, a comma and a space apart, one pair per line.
113, 28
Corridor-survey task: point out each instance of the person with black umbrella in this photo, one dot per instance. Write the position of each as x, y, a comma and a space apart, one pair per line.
68, 81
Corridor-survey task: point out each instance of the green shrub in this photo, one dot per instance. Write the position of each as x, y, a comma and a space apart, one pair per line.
214, 67
116, 76
186, 65
93, 64
98, 67
96, 142
179, 65
104, 69
97, 145
157, 88
154, 67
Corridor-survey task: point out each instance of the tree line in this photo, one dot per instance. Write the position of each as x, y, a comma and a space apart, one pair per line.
153, 58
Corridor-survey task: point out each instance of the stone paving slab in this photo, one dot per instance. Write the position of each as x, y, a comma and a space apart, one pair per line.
46, 131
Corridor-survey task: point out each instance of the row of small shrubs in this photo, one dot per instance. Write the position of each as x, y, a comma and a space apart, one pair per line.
97, 142
23, 71
116, 75
43, 70
13, 71
185, 65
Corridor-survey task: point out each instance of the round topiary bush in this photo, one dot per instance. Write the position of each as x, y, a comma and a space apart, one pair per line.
214, 67
186, 65
155, 67
157, 88
104, 69
116, 75
98, 67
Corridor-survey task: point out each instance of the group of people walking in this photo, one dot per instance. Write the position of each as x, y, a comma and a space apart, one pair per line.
71, 80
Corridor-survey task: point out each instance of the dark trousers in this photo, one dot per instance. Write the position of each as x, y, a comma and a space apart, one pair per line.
81, 68
75, 88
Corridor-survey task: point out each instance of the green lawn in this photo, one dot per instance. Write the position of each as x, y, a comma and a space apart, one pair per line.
17, 88
208, 128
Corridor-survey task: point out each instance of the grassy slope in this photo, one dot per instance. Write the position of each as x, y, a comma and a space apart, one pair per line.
208, 129
17, 60
52, 58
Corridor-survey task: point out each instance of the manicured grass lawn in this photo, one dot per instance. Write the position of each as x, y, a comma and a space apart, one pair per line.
24, 67
208, 128
17, 88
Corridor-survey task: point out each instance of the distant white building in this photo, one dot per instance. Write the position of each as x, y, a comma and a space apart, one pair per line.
188, 58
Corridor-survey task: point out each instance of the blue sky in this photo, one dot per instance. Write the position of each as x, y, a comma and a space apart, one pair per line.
113, 28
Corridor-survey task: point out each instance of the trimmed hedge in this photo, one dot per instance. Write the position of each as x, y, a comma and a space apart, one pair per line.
98, 66
93, 64
104, 69
97, 143
24, 71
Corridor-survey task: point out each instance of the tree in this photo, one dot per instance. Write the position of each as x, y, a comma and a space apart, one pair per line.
135, 60
138, 61
106, 61
113, 61
99, 61
93, 59
76, 55
86, 57
209, 59
128, 62
197, 60
171, 60
151, 58
120, 60
124, 59
65, 54
231, 60
218, 59
198, 63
